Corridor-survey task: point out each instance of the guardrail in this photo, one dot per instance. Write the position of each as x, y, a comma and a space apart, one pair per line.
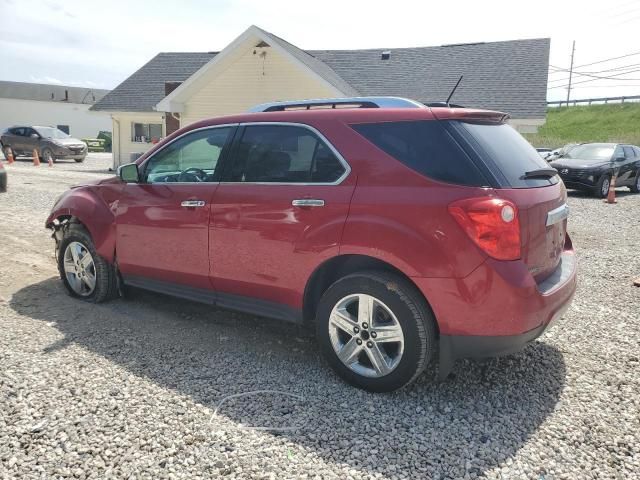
589, 101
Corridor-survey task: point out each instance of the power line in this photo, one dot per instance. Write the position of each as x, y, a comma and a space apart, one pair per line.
621, 67
608, 59
608, 78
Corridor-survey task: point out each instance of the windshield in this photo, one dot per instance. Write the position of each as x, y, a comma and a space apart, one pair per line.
591, 152
50, 132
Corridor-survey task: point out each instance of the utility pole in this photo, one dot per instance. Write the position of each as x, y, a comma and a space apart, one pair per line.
573, 50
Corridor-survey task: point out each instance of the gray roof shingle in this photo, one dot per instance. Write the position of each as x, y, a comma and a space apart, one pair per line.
50, 93
509, 76
145, 87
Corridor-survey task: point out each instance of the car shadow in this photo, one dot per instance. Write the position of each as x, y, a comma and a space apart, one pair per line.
475, 420
583, 194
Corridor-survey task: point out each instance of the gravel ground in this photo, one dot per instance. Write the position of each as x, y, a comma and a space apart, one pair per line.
139, 387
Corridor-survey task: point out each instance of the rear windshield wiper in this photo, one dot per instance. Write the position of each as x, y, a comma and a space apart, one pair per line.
541, 173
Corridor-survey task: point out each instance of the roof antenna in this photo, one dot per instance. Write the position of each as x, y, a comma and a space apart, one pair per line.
454, 90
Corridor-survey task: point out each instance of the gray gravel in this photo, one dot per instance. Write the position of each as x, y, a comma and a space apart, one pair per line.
129, 389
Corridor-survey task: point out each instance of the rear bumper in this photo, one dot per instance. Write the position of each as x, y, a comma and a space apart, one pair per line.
498, 308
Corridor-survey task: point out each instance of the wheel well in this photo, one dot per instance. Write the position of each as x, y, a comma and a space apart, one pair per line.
334, 269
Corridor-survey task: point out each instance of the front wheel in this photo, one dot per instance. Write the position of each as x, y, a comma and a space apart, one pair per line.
79, 160
84, 273
603, 185
48, 156
376, 330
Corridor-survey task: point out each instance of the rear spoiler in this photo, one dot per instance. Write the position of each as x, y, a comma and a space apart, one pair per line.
469, 115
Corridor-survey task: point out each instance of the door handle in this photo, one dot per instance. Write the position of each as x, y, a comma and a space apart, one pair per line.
192, 203
308, 202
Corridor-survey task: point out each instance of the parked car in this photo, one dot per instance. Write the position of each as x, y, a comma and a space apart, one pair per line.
50, 142
591, 166
544, 152
3, 179
559, 152
394, 233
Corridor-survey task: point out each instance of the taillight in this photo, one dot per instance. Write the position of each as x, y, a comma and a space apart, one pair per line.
492, 223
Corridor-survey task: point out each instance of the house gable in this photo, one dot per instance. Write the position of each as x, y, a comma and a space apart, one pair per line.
278, 69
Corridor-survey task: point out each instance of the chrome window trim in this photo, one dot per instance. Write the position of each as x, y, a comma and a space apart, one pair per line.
209, 127
341, 159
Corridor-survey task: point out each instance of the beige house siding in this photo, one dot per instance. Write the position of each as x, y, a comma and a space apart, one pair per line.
252, 78
122, 144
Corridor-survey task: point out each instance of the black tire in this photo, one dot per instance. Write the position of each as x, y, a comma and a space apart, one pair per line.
600, 186
106, 286
412, 313
44, 155
79, 160
635, 188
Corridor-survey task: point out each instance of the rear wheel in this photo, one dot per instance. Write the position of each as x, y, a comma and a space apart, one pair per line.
375, 330
603, 185
9, 151
635, 188
84, 273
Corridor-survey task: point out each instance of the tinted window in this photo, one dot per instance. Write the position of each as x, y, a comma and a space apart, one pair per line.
426, 147
17, 131
283, 154
507, 154
598, 152
628, 152
192, 158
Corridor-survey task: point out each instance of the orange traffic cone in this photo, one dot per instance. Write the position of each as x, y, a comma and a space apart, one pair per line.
36, 158
611, 196
50, 162
9, 155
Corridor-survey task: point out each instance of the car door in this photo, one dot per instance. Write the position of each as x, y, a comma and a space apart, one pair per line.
626, 167
29, 142
162, 221
278, 213
16, 139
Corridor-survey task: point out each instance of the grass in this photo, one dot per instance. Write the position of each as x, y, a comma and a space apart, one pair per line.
619, 123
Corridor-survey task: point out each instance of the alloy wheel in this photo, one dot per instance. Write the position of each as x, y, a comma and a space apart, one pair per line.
606, 183
79, 269
366, 335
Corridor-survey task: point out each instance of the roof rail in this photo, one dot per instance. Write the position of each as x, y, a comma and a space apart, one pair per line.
353, 102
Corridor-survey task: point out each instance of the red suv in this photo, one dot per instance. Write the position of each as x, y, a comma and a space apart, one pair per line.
394, 229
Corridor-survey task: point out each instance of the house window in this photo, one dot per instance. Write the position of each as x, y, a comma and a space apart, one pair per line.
146, 132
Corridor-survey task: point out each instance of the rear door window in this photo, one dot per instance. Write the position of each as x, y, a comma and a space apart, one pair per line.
506, 153
283, 154
426, 147
628, 153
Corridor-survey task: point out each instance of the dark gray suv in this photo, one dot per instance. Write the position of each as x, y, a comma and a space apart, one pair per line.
50, 142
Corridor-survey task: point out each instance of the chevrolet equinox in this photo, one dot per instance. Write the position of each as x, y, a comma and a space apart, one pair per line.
396, 230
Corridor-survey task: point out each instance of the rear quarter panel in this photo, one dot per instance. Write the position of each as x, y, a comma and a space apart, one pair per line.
399, 216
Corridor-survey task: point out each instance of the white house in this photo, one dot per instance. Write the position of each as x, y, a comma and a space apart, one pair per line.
175, 89
53, 105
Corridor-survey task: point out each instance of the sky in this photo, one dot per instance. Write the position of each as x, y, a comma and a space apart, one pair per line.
99, 44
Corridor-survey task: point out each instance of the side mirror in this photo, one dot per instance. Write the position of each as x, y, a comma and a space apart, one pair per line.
129, 173
620, 159
34, 135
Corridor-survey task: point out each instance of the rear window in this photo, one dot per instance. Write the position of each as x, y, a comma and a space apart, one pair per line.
427, 148
507, 154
